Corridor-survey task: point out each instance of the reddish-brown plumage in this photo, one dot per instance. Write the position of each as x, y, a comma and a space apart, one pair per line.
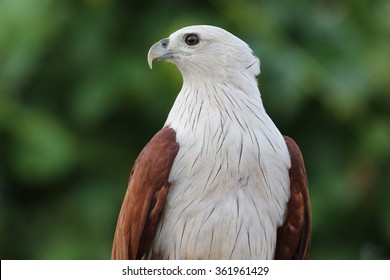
145, 196
293, 240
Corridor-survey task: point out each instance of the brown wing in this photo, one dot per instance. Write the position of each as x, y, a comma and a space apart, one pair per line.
294, 236
145, 196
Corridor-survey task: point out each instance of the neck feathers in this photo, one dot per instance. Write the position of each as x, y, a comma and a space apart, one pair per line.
224, 98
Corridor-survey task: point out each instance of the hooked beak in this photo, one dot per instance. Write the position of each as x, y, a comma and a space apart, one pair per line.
159, 51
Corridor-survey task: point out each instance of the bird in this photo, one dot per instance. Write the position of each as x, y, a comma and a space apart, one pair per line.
219, 180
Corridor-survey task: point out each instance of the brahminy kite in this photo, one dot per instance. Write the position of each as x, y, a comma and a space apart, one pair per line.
218, 181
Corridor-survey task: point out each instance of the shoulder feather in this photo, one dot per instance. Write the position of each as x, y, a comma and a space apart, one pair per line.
293, 239
145, 196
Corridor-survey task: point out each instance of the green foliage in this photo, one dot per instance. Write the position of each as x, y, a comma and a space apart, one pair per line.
78, 102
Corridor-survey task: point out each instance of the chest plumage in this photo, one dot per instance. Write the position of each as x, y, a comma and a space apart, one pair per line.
229, 181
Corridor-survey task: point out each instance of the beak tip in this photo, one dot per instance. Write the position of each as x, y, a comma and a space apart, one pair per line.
150, 63
150, 60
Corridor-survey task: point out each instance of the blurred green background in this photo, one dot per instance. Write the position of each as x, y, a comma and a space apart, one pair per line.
78, 103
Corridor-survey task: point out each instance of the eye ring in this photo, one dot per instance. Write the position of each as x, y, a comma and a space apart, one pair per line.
191, 39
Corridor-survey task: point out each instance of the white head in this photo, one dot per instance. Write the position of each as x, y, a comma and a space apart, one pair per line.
206, 51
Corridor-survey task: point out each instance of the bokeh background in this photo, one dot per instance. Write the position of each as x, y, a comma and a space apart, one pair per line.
78, 103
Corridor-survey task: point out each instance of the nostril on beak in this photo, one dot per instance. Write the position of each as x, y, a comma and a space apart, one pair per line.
164, 43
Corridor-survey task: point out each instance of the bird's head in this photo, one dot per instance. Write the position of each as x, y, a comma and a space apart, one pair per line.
206, 51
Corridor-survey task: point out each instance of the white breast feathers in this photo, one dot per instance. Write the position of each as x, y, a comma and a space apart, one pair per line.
229, 181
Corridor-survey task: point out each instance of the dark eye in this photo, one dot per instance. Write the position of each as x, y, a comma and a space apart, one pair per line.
191, 39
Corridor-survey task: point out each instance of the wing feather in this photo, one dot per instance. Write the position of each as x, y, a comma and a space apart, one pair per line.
293, 240
145, 196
